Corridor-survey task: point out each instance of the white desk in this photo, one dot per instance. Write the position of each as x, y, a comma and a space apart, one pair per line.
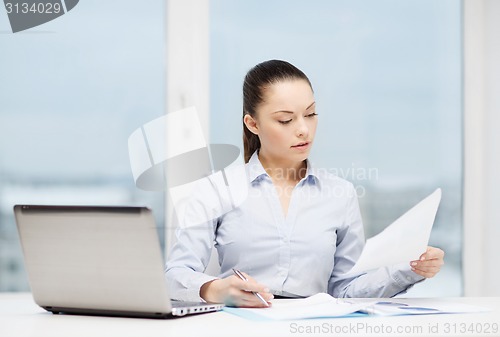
20, 317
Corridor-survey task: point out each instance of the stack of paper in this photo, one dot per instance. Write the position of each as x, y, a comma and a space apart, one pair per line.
323, 305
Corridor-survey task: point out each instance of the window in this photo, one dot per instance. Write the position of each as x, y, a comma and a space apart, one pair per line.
387, 77
71, 93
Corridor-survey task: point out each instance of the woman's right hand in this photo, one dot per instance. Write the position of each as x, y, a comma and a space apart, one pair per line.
233, 291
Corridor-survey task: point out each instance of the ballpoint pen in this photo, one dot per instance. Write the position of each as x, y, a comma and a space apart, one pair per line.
241, 276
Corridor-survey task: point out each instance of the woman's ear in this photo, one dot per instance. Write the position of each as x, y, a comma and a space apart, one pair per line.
251, 124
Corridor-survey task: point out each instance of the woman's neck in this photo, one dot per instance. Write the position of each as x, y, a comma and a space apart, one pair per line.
283, 170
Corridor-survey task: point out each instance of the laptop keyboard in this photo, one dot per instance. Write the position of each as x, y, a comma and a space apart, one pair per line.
181, 304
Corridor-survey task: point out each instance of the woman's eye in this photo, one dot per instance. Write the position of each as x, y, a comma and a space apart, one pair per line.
285, 122
312, 114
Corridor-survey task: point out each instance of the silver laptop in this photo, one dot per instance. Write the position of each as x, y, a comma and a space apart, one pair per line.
97, 260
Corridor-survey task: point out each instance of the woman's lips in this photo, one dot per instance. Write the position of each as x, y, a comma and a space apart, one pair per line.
303, 145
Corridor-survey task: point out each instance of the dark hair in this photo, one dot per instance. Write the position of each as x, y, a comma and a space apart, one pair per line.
256, 81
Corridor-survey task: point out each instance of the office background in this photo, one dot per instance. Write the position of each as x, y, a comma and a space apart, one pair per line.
399, 114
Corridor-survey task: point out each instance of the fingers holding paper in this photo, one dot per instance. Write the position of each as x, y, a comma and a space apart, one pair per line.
429, 263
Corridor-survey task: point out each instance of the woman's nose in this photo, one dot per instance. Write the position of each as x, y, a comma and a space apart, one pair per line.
302, 128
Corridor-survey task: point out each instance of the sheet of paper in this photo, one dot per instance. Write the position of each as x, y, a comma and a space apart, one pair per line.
316, 306
402, 241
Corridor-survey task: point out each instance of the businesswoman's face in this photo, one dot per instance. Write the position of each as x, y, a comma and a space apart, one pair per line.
285, 121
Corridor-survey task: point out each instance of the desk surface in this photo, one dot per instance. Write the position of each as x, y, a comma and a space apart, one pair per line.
20, 317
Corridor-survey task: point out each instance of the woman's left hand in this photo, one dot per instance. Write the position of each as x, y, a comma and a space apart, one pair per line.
429, 263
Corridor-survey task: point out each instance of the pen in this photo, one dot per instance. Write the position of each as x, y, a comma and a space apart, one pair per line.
241, 276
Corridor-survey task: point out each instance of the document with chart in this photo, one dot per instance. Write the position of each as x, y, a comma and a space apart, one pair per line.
323, 305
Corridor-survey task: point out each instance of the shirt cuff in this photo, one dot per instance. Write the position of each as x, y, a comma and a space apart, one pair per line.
185, 285
404, 277
193, 290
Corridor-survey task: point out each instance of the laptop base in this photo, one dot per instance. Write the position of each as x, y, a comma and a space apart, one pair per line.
110, 313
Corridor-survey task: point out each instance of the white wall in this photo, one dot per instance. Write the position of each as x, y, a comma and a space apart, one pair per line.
482, 147
188, 63
188, 78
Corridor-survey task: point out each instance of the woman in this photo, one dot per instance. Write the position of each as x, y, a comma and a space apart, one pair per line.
299, 231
